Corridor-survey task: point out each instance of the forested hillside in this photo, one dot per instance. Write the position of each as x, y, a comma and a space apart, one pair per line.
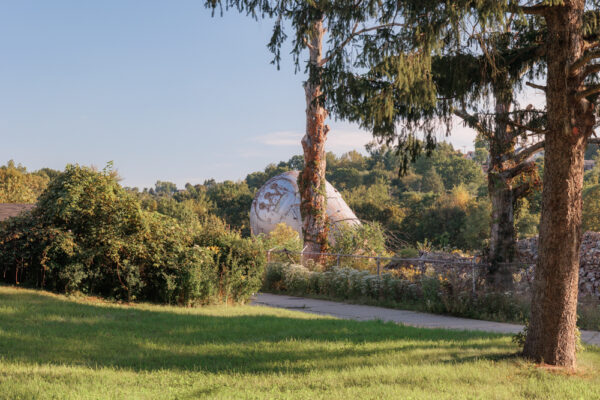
441, 201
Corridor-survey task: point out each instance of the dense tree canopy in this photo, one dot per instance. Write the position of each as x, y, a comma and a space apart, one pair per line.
19, 186
407, 206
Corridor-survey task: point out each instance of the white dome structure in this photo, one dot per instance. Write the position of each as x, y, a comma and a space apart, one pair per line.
278, 201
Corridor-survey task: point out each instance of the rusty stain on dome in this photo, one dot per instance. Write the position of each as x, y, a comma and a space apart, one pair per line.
278, 200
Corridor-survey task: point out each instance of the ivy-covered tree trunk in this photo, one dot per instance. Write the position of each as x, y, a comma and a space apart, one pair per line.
311, 181
551, 334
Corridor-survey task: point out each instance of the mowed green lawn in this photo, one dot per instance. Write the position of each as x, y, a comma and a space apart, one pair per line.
57, 347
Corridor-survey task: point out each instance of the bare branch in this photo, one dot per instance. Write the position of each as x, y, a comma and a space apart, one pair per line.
583, 60
344, 43
525, 127
533, 85
594, 141
591, 69
538, 50
590, 45
517, 169
307, 44
529, 109
472, 121
525, 154
538, 9
590, 90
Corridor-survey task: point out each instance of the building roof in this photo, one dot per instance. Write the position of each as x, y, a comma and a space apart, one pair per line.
8, 210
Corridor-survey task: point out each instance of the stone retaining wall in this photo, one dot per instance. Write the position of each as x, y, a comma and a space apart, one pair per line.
589, 271
523, 268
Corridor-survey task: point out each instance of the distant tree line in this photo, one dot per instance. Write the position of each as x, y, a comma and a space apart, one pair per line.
441, 200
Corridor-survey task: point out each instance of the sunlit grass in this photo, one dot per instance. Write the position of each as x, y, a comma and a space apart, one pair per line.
57, 347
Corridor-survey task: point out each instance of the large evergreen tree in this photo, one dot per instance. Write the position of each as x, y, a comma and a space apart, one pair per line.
346, 23
569, 45
570, 52
478, 83
480, 56
377, 71
508, 60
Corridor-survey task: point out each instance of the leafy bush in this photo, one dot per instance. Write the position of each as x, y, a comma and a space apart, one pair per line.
588, 313
89, 235
197, 276
591, 208
239, 261
274, 276
341, 283
283, 237
408, 252
367, 239
296, 278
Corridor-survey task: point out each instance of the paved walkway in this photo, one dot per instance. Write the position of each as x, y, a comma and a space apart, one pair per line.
412, 318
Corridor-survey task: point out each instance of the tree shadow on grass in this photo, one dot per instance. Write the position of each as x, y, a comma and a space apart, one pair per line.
40, 328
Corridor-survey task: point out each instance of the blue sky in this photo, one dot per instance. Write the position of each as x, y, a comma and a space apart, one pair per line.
161, 88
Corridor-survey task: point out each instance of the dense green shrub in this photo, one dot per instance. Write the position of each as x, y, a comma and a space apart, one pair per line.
341, 283
284, 241
408, 252
366, 239
284, 237
239, 261
88, 234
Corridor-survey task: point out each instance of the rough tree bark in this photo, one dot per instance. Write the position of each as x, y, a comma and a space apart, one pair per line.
311, 181
551, 333
502, 144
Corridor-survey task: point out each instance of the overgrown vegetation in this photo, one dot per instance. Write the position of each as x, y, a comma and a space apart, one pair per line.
365, 240
89, 235
74, 348
407, 287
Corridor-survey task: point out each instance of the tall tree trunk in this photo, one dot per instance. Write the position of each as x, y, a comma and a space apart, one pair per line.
311, 181
551, 334
502, 239
503, 236
502, 242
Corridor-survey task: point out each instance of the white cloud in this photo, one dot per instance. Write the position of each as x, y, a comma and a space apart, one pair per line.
345, 137
283, 138
338, 141
342, 141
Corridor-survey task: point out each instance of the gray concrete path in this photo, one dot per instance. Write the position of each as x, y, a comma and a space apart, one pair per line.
412, 318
